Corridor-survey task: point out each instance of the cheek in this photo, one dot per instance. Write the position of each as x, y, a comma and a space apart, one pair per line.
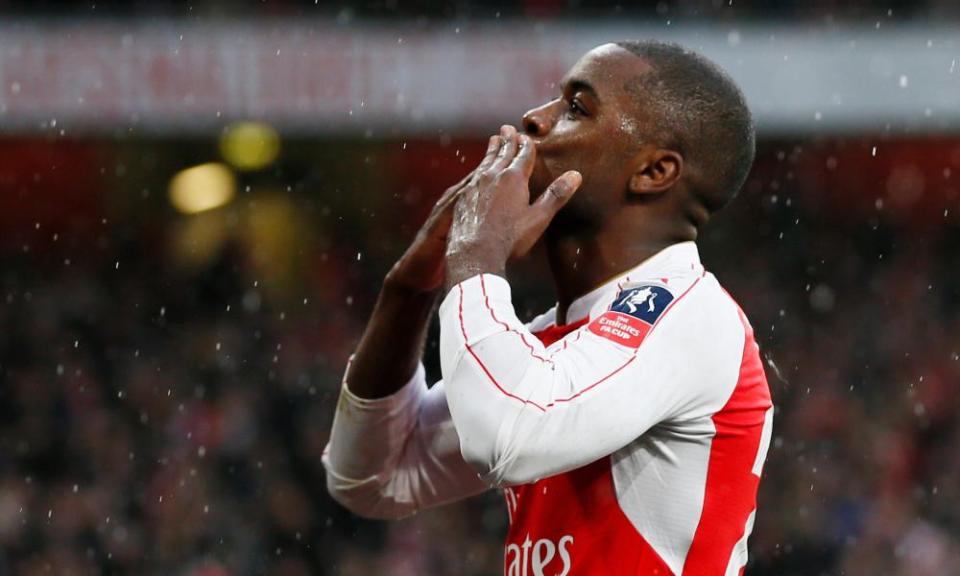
571, 146
585, 159
550, 165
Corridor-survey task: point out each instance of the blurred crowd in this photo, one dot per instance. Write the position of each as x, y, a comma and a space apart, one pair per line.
157, 419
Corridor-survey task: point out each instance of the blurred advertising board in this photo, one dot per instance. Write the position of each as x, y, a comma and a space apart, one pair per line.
386, 81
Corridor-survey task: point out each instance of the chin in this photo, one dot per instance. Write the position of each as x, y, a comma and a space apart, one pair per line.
539, 181
568, 222
580, 215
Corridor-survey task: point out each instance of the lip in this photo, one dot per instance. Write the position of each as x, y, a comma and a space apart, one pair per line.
540, 145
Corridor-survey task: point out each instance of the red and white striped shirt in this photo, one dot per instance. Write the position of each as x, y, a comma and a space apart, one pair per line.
629, 441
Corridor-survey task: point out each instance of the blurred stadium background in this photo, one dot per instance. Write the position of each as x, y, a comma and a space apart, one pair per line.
198, 201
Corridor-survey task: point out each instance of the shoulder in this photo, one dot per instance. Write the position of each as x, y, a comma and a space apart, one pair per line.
692, 308
710, 301
705, 319
706, 334
688, 330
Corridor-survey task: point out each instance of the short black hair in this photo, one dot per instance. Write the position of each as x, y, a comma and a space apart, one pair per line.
701, 113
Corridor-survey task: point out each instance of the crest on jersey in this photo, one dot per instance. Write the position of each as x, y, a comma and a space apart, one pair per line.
632, 314
644, 302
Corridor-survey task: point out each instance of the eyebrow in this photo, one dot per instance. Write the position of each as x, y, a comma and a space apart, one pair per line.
581, 85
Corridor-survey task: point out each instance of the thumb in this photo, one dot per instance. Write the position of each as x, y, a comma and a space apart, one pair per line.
559, 192
545, 208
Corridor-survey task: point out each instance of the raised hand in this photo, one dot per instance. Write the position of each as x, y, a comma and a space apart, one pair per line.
393, 341
493, 218
421, 267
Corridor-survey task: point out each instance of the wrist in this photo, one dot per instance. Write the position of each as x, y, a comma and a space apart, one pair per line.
398, 282
396, 287
464, 264
403, 305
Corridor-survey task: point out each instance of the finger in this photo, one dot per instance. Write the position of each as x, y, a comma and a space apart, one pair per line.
561, 190
545, 208
493, 146
438, 220
439, 224
465, 207
449, 197
507, 150
526, 156
452, 191
451, 194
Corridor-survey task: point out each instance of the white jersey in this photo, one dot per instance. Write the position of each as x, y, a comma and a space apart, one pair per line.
632, 444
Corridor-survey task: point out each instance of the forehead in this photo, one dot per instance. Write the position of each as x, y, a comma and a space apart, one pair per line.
608, 68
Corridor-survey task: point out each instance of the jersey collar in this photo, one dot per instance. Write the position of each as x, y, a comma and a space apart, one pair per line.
675, 260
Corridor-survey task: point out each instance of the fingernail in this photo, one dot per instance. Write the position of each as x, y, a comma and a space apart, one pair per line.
571, 181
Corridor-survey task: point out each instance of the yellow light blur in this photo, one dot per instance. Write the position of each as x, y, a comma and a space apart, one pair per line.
202, 188
250, 145
195, 242
275, 233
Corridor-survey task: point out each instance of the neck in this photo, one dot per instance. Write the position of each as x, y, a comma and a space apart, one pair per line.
582, 261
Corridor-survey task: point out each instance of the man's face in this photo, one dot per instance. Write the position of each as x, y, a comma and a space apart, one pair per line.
593, 126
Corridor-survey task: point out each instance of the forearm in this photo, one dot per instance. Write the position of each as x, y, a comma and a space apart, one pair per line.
390, 457
364, 456
392, 343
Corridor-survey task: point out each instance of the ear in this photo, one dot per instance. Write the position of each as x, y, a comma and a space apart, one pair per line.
657, 171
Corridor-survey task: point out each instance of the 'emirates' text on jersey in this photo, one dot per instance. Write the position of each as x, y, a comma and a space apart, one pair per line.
629, 441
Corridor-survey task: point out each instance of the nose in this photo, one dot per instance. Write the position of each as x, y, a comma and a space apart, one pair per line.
538, 122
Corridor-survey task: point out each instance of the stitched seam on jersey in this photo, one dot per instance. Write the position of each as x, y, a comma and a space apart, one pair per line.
595, 384
576, 337
466, 342
635, 352
591, 386
486, 302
